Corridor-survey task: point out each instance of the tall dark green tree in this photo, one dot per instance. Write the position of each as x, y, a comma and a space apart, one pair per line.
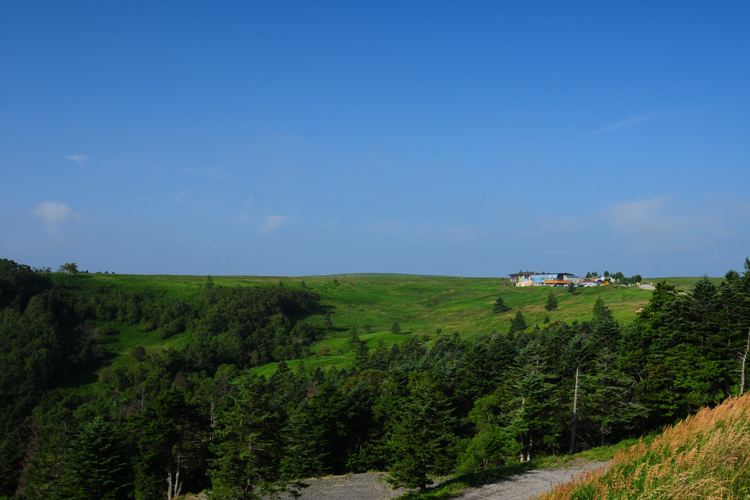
167, 434
495, 440
517, 324
249, 446
601, 311
500, 306
551, 301
421, 436
96, 467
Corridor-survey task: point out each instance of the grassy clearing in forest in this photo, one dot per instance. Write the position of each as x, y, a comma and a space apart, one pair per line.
427, 306
707, 456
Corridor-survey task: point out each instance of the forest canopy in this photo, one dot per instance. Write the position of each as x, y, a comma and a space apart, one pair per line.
183, 419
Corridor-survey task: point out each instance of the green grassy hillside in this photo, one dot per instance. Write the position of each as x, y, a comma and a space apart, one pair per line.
427, 306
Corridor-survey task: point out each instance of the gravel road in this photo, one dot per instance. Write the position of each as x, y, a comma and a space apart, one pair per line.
372, 486
528, 484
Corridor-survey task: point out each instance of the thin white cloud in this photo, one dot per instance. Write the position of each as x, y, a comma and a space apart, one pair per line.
646, 218
662, 223
633, 121
80, 159
273, 222
181, 195
667, 224
216, 172
55, 214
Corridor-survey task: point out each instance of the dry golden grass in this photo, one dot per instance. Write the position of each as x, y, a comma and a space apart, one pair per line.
705, 457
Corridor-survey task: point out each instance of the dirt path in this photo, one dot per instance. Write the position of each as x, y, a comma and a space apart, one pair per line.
372, 486
528, 484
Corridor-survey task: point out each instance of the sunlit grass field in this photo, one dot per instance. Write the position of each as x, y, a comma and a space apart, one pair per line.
426, 306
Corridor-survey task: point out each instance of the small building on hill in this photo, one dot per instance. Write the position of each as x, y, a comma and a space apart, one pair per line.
523, 275
554, 279
543, 279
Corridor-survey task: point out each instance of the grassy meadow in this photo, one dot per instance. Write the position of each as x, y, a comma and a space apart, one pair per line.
427, 306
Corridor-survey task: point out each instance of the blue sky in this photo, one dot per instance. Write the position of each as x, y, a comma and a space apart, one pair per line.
300, 138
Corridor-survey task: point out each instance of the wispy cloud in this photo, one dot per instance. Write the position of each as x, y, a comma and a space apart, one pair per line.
273, 222
645, 218
631, 122
80, 159
182, 194
661, 223
55, 214
666, 223
216, 172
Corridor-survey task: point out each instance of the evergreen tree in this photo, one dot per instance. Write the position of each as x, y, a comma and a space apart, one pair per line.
500, 306
601, 311
95, 467
551, 301
518, 324
494, 443
327, 321
305, 452
421, 436
167, 436
249, 446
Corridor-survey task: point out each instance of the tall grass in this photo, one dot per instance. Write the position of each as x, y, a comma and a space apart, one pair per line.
705, 457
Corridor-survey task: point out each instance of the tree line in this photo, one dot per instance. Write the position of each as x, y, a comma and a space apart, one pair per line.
179, 420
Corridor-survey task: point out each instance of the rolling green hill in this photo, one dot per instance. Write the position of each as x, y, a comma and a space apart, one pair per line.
428, 306
417, 371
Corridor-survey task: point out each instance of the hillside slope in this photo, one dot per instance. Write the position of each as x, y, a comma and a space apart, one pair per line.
707, 456
427, 306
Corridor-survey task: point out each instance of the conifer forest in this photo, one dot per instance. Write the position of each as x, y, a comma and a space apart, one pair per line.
198, 415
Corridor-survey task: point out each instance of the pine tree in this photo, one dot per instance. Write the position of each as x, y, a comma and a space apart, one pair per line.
421, 435
248, 450
500, 306
551, 301
494, 443
518, 324
601, 311
165, 435
95, 468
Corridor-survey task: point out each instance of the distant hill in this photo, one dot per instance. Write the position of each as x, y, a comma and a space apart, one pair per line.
427, 306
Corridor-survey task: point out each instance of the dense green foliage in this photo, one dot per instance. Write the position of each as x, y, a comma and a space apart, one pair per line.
193, 416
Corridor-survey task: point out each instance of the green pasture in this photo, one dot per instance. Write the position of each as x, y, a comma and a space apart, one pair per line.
427, 306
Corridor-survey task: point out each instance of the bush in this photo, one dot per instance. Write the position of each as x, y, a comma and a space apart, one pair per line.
138, 352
